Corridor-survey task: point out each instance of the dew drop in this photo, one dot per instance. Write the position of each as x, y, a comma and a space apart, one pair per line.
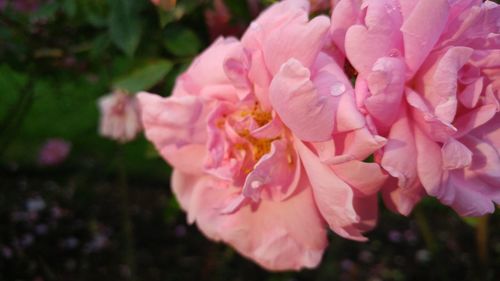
337, 89
256, 184
255, 26
394, 53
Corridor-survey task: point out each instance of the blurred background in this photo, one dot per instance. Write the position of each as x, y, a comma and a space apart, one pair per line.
77, 206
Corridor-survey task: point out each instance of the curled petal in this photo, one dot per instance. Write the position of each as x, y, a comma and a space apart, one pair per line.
419, 36
309, 115
334, 198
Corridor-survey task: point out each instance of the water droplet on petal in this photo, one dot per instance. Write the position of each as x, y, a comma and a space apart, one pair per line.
256, 184
394, 53
337, 89
255, 25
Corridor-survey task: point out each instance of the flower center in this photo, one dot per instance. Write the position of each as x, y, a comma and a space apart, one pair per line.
259, 146
260, 116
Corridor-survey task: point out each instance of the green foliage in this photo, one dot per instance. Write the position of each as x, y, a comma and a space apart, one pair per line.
144, 77
181, 41
124, 25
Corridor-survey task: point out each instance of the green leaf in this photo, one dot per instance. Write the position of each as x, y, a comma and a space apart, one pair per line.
238, 9
46, 12
181, 41
99, 45
124, 25
94, 11
144, 77
69, 7
182, 9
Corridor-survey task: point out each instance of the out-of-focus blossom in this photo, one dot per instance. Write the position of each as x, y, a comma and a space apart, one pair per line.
120, 118
347, 265
180, 230
41, 229
366, 256
35, 204
53, 152
395, 236
7, 252
21, 5
166, 5
429, 81
27, 240
218, 21
267, 143
422, 256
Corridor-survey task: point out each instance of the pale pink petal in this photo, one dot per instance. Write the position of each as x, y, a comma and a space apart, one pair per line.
299, 41
470, 198
208, 68
182, 157
280, 235
430, 168
345, 14
275, 176
357, 144
419, 36
485, 162
261, 79
401, 200
365, 178
379, 37
474, 119
173, 120
334, 198
455, 155
294, 97
438, 83
386, 83
399, 153
274, 18
403, 192
471, 93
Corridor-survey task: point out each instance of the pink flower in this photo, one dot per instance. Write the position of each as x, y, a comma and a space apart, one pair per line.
53, 152
429, 82
266, 142
120, 119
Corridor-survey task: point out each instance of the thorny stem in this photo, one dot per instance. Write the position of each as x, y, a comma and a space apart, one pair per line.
127, 226
482, 239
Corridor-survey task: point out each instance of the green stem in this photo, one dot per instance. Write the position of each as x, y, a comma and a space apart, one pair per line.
127, 225
425, 230
482, 239
13, 120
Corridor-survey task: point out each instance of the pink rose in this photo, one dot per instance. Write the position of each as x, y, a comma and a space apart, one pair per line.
429, 82
53, 152
120, 118
266, 142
